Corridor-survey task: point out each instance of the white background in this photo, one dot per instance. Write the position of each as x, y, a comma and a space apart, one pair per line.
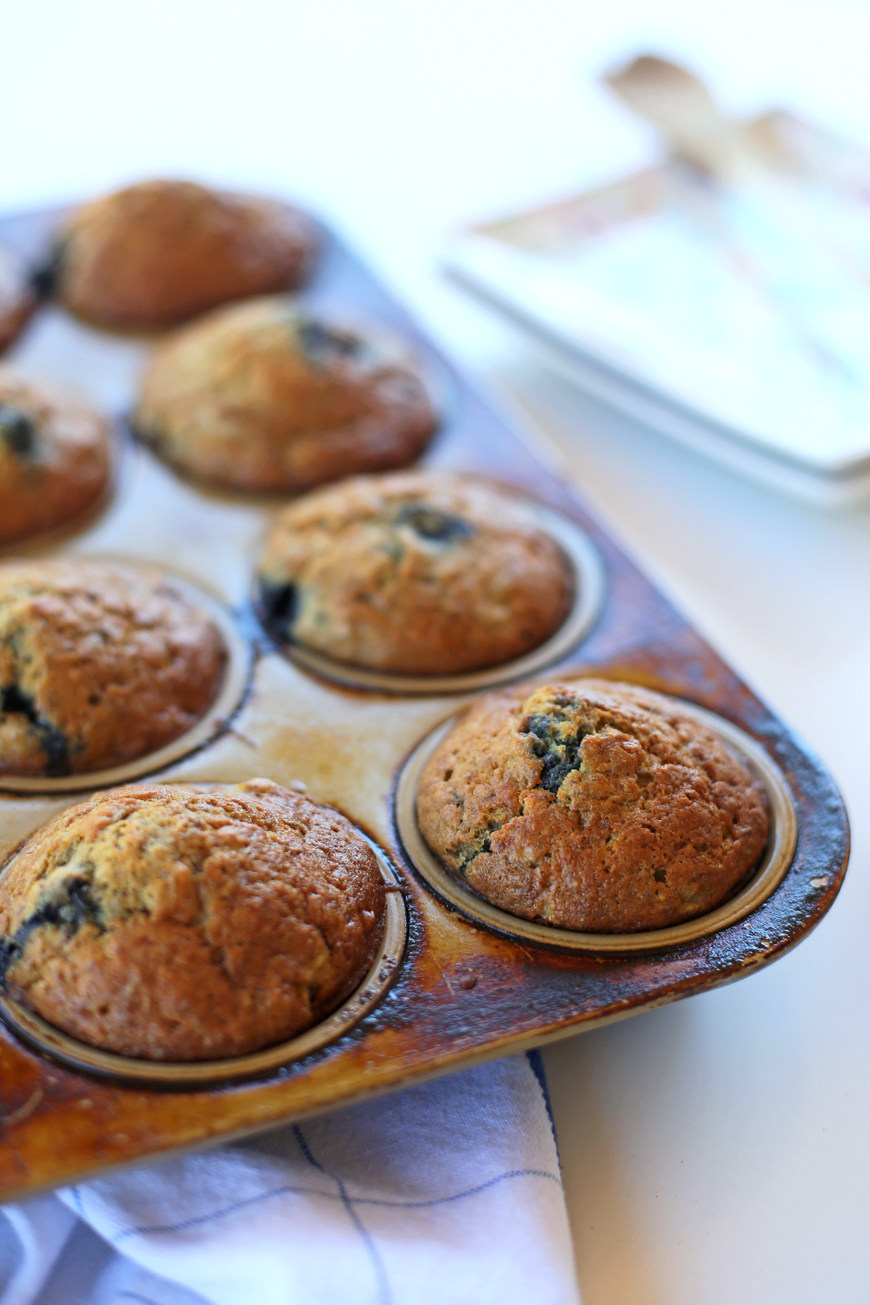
717, 1150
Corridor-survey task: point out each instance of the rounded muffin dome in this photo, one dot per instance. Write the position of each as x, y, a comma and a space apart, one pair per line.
99, 664
262, 396
592, 805
414, 573
159, 252
55, 458
172, 923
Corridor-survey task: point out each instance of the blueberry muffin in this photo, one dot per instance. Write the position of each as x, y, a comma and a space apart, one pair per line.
262, 396
160, 252
99, 664
55, 459
174, 924
17, 300
592, 805
415, 573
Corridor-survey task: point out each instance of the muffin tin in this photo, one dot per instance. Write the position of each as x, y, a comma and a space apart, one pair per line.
454, 984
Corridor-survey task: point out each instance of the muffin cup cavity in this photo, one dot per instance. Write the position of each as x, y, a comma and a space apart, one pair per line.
237, 674
765, 878
589, 587
53, 1042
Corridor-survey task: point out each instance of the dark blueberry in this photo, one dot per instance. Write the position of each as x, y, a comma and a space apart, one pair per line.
280, 603
74, 906
541, 728
468, 851
560, 753
44, 278
154, 438
323, 344
14, 700
9, 952
83, 907
554, 771
56, 749
17, 431
429, 523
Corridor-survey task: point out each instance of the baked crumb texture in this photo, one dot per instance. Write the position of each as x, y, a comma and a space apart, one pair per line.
170, 924
99, 664
592, 806
17, 298
54, 457
160, 252
262, 396
414, 572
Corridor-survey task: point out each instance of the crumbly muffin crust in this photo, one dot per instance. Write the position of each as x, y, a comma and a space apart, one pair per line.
414, 572
99, 664
160, 252
55, 459
17, 298
262, 396
592, 805
175, 924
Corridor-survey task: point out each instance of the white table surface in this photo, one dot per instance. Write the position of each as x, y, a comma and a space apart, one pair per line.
715, 1150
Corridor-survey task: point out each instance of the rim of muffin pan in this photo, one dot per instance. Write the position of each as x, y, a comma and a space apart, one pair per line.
589, 591
230, 696
73, 1052
763, 880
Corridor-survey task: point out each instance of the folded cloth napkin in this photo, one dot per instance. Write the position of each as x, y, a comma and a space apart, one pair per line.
447, 1193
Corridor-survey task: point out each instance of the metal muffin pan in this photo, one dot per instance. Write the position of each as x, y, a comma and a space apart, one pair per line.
453, 990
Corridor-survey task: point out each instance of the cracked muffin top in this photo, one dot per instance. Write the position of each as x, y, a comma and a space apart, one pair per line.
55, 459
17, 299
592, 805
99, 664
414, 573
160, 252
264, 397
177, 924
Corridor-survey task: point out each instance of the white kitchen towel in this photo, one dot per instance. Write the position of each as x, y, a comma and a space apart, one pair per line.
447, 1193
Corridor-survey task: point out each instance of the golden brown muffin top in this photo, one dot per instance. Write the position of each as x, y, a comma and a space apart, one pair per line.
414, 572
17, 298
100, 663
177, 924
592, 805
55, 458
264, 396
159, 252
